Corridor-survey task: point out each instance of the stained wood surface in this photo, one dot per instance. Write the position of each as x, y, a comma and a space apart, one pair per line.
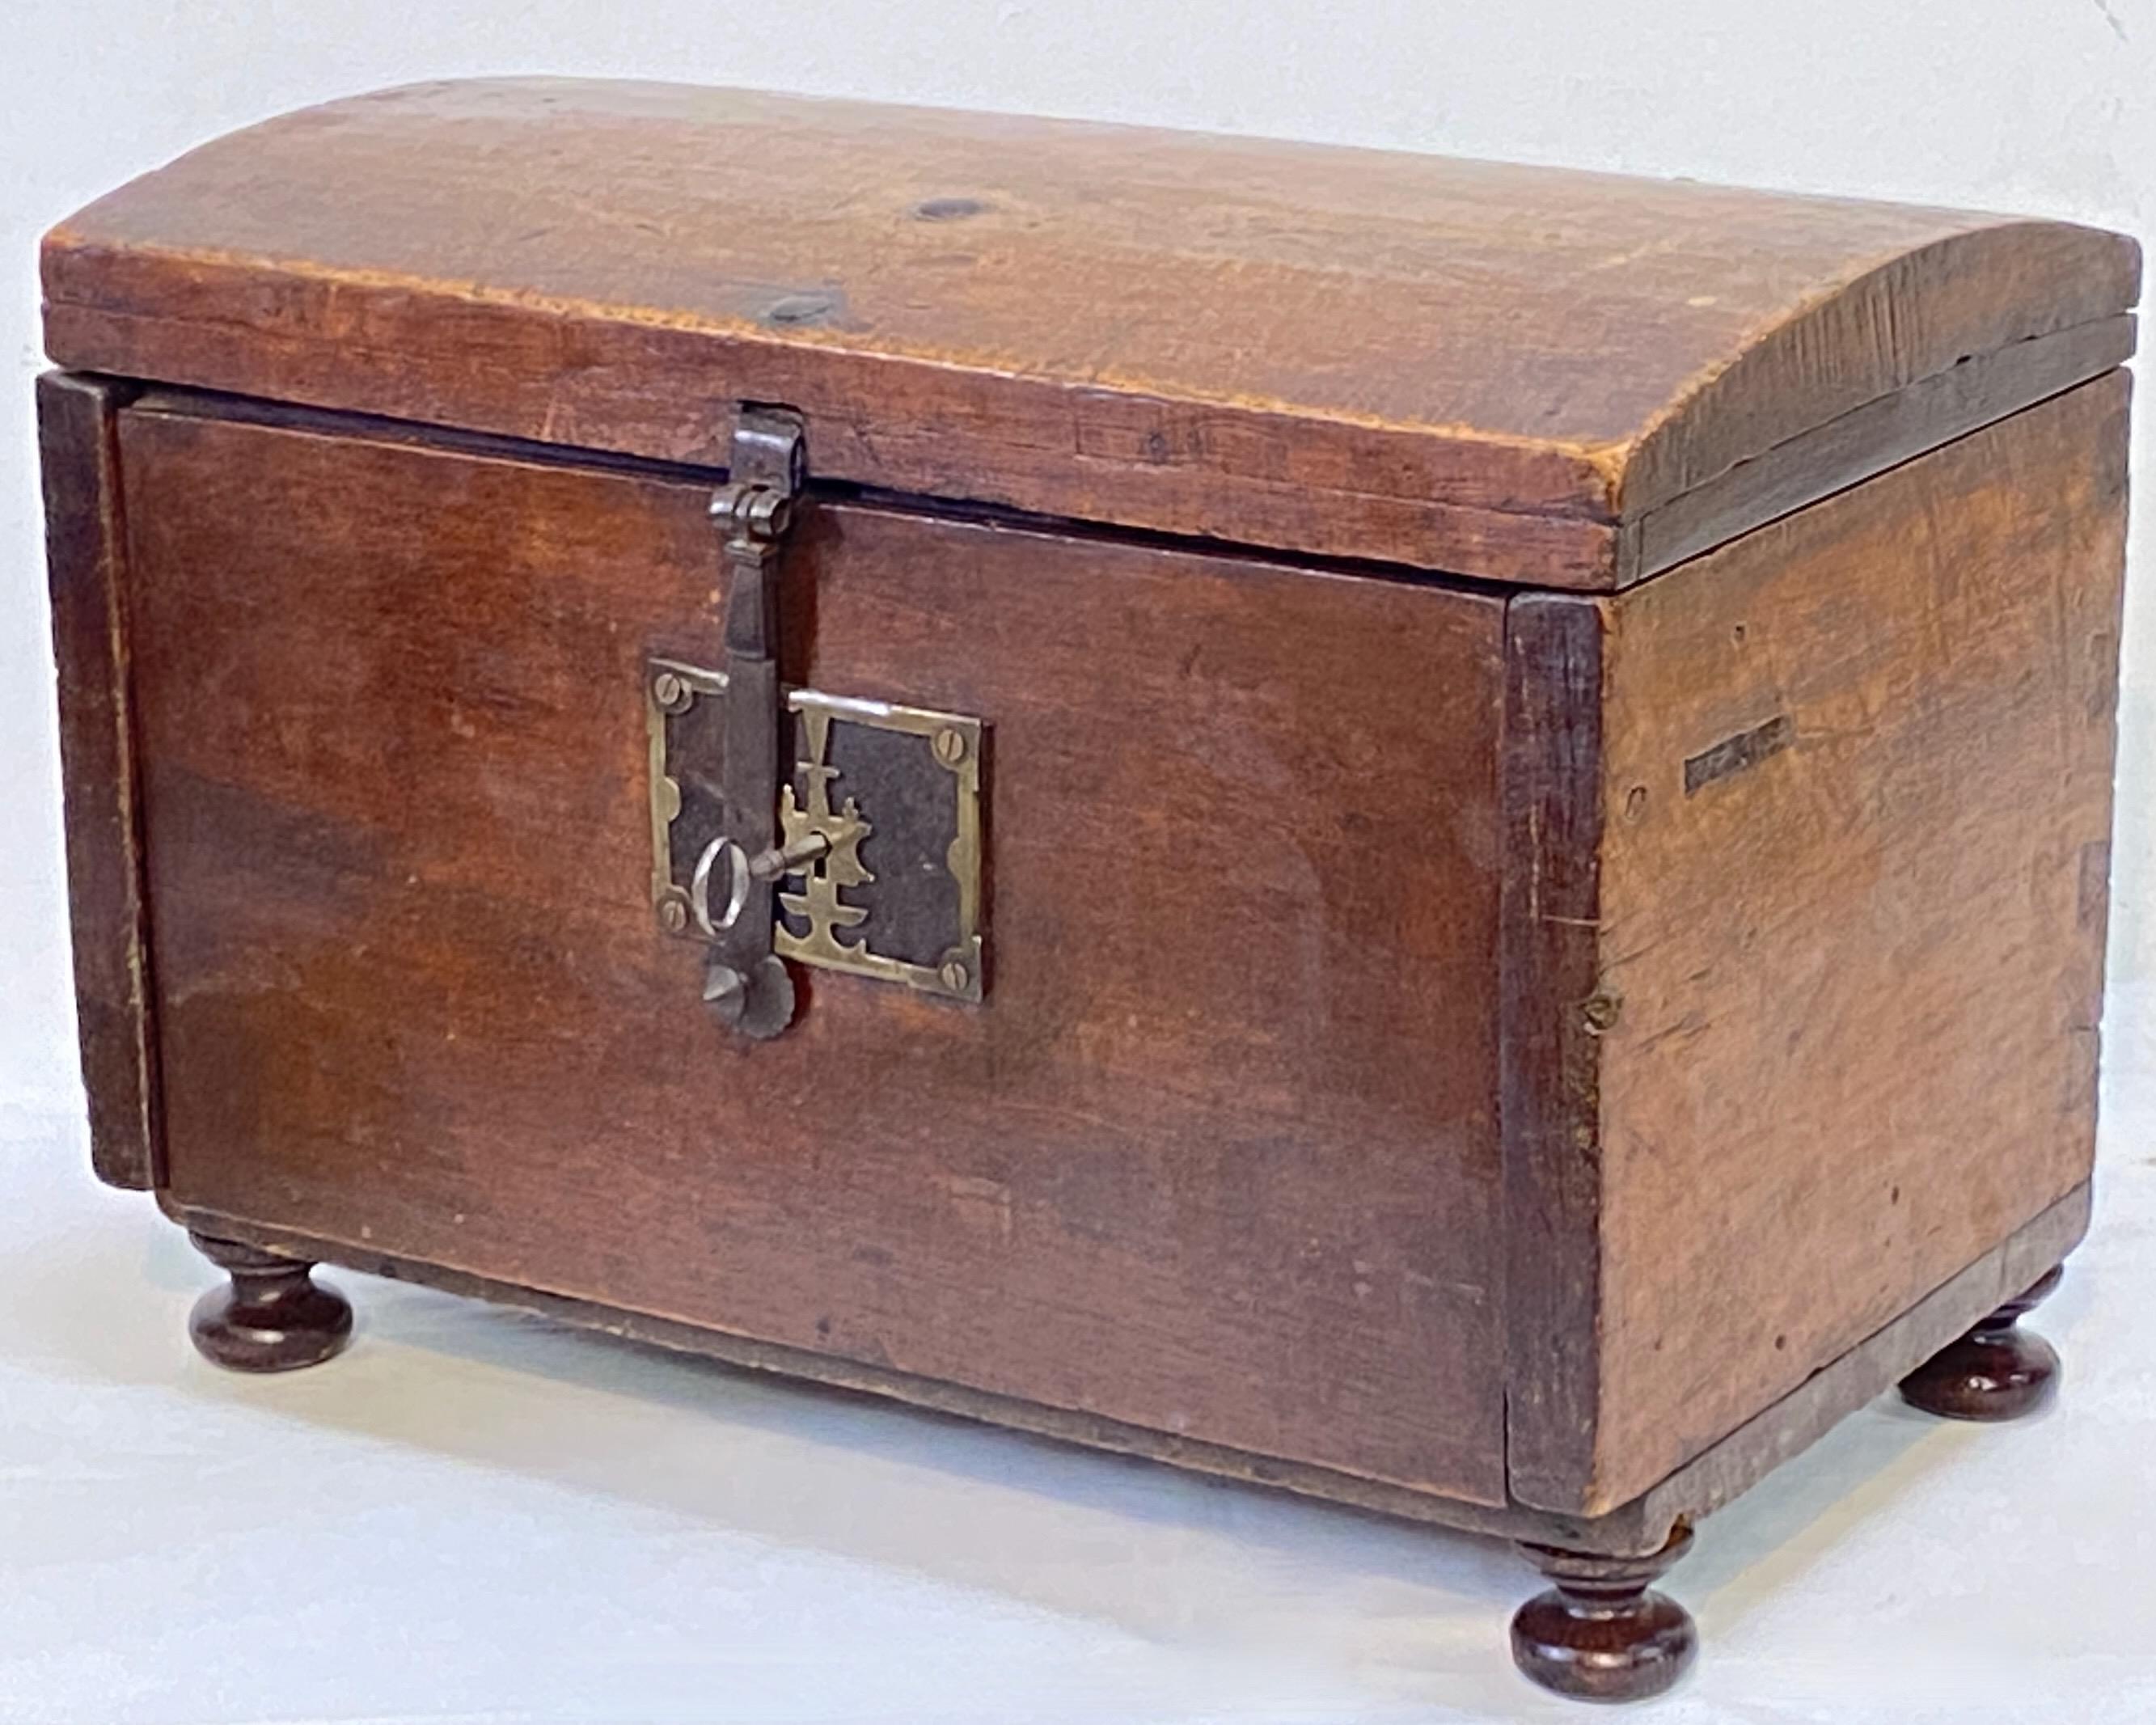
1947, 405
1732, 1466
1497, 371
1550, 1083
1219, 1159
1704, 1484
91, 642
959, 1401
1855, 792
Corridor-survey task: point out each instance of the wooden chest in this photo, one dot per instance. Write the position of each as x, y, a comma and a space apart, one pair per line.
1428, 832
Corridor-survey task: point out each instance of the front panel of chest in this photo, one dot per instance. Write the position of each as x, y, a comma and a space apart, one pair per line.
1206, 1142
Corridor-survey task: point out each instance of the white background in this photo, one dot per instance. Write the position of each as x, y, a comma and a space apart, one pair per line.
475, 1517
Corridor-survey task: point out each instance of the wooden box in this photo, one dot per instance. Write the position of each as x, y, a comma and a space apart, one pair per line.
1428, 832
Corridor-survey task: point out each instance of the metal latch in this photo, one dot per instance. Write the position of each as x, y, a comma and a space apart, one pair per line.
867, 858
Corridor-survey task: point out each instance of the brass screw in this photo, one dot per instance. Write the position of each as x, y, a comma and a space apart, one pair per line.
1601, 1012
953, 973
673, 915
949, 745
669, 690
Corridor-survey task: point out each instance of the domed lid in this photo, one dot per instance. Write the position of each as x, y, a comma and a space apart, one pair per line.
1517, 373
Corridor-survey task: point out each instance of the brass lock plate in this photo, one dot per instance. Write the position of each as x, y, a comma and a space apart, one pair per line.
889, 796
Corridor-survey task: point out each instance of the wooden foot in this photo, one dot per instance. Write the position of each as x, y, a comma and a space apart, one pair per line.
1997, 1371
1602, 1634
270, 1317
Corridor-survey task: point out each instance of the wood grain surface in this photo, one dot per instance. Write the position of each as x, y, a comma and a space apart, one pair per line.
1711, 1479
1855, 794
1550, 1078
85, 555
1494, 371
1732, 1464
1217, 1158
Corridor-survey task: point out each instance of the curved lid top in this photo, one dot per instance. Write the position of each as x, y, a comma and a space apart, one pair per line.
1516, 372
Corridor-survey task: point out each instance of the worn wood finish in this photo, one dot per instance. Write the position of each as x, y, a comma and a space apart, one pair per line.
958, 1400
1975, 393
1562, 638
85, 556
1198, 1166
1855, 788
1550, 1078
1503, 372
1529, 1061
1642, 1526
1786, 1428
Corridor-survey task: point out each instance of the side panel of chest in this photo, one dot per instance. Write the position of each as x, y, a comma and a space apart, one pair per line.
1823, 1012
1217, 1155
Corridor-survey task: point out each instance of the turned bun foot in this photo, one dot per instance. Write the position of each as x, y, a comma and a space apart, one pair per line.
270, 1317
1997, 1371
1602, 1633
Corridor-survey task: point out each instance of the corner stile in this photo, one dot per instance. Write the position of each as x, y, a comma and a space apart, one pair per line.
77, 435
1550, 1060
